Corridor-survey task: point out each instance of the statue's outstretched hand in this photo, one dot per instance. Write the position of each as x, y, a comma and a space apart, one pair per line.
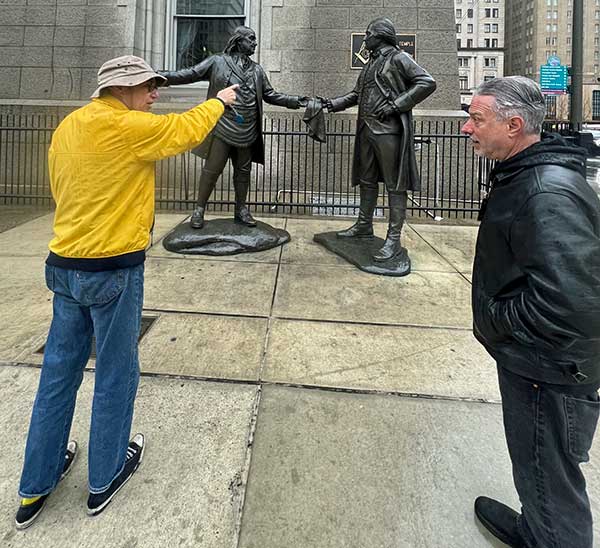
303, 101
228, 95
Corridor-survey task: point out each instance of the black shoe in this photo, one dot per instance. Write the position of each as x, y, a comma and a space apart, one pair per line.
243, 217
197, 220
97, 502
357, 230
500, 520
389, 250
28, 513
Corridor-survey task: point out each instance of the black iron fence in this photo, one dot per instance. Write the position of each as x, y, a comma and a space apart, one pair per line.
299, 176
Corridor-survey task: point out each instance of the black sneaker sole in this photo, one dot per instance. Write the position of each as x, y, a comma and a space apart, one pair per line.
101, 508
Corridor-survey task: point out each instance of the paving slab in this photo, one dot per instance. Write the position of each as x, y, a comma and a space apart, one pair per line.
303, 250
15, 215
29, 239
164, 223
25, 306
185, 492
340, 293
268, 256
440, 362
204, 346
209, 286
454, 243
334, 470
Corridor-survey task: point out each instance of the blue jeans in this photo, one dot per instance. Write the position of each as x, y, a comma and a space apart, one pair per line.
549, 434
107, 304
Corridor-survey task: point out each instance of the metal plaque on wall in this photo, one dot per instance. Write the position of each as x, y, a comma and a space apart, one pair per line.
360, 54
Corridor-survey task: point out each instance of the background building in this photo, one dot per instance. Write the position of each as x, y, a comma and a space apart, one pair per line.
51, 49
537, 29
480, 43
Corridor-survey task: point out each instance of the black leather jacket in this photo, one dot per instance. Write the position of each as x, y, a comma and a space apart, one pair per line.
536, 277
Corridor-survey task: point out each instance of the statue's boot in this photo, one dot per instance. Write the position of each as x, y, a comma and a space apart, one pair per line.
242, 213
363, 227
208, 180
392, 247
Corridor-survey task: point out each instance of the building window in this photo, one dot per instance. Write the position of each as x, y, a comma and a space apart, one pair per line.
596, 104
488, 77
486, 27
463, 61
489, 62
469, 12
495, 13
554, 39
494, 42
469, 29
458, 27
463, 82
547, 40
495, 27
486, 42
202, 28
458, 43
469, 42
488, 12
551, 106
459, 14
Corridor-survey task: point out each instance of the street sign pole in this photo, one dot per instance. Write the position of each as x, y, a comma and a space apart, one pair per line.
576, 114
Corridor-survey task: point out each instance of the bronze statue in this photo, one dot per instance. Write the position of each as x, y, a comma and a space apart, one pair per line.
388, 87
238, 134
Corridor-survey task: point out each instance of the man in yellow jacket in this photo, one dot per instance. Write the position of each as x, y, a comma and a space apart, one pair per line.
101, 163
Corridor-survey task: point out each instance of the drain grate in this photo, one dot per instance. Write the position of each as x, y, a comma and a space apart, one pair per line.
147, 322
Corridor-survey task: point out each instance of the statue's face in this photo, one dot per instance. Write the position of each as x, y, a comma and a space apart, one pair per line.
372, 41
247, 44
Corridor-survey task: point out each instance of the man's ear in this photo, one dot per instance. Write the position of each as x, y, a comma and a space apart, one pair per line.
515, 126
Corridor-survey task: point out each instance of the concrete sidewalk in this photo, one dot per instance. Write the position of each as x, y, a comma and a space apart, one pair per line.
289, 400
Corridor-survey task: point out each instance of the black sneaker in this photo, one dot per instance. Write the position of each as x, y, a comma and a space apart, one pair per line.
500, 520
135, 451
28, 513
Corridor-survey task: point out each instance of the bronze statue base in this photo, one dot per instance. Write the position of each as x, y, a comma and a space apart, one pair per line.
360, 251
223, 237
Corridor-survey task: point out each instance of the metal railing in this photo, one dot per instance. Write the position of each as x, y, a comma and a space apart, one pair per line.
299, 176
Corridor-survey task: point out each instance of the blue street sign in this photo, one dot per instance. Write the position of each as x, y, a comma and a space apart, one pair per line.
553, 78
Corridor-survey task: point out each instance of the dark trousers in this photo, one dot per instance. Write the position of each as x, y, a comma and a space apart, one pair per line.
379, 158
549, 433
220, 152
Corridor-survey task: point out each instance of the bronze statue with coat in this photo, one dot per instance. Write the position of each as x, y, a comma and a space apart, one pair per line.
238, 134
388, 88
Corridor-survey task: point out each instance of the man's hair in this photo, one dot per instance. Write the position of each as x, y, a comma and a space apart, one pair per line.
239, 33
517, 96
384, 29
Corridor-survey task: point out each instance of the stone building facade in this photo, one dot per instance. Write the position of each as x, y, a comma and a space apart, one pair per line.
50, 50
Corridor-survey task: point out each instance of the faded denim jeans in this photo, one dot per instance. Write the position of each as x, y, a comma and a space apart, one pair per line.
107, 304
549, 434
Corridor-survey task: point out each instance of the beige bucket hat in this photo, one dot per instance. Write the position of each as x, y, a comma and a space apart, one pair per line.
127, 70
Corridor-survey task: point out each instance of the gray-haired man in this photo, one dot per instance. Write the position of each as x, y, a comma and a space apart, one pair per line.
536, 309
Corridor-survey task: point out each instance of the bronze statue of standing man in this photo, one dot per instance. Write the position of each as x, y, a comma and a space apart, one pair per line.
388, 88
238, 134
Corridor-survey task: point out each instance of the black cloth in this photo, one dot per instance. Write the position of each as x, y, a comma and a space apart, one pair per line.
405, 84
549, 434
224, 70
314, 118
536, 275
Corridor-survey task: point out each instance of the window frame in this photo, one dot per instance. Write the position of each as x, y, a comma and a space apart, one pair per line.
171, 32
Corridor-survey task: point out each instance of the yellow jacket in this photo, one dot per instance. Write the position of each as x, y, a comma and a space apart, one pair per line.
101, 163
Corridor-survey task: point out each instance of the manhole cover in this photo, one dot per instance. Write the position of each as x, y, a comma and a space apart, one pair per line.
147, 321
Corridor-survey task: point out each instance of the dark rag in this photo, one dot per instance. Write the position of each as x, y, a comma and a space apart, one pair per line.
314, 118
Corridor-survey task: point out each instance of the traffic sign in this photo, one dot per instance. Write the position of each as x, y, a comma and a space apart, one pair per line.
553, 78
